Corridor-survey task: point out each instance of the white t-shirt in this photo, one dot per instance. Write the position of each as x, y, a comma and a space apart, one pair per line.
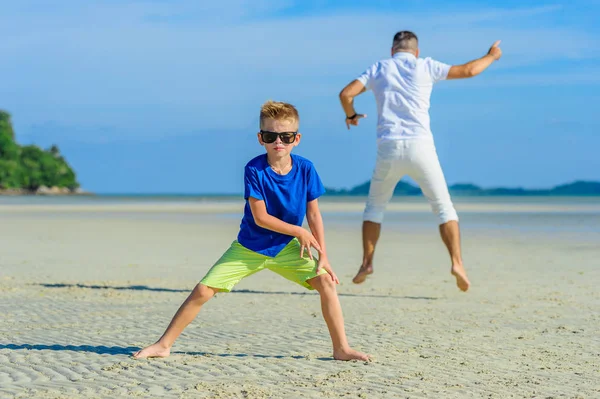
402, 87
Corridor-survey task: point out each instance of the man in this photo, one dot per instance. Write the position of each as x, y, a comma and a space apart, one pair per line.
402, 87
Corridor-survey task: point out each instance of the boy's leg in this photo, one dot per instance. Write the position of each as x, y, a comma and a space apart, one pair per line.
184, 316
235, 264
332, 313
383, 182
427, 172
303, 271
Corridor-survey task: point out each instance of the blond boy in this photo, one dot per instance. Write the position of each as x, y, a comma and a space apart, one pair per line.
280, 190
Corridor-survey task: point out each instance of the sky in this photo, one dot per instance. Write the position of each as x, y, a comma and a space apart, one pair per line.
151, 96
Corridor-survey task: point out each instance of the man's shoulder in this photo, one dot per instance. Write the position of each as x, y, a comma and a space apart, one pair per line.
377, 65
429, 61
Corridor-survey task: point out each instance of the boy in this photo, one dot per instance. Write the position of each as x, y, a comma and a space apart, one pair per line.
280, 189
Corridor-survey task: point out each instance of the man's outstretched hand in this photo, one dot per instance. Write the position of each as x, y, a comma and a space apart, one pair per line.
495, 51
354, 121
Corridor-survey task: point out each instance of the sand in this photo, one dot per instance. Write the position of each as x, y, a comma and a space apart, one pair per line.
84, 286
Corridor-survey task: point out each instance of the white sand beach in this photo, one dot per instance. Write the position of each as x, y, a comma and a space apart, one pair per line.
82, 286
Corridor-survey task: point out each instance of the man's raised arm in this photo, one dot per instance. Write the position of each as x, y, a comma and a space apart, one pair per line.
475, 67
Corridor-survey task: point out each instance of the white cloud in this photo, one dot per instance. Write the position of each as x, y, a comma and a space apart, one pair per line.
189, 58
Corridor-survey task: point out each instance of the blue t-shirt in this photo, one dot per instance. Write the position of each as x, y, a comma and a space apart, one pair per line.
285, 196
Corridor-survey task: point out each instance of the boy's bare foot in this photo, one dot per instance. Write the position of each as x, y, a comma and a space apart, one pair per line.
350, 354
362, 274
155, 350
462, 281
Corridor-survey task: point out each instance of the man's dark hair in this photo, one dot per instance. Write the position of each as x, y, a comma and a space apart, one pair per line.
405, 41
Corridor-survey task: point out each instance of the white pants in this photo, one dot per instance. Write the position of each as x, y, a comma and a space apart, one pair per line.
418, 159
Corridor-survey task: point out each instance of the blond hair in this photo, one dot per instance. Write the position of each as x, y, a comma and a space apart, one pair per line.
278, 111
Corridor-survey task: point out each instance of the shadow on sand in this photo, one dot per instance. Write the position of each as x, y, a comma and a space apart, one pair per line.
129, 350
158, 289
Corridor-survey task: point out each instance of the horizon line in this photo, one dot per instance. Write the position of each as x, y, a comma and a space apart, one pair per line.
229, 194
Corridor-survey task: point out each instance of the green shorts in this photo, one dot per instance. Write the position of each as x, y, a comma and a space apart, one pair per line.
239, 262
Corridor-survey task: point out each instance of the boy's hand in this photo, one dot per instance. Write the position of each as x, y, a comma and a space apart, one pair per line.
307, 240
324, 264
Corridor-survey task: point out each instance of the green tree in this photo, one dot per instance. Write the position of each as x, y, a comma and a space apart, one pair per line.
6, 125
10, 171
32, 176
30, 167
9, 150
54, 151
10, 174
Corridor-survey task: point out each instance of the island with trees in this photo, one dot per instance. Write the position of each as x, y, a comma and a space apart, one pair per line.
30, 169
575, 189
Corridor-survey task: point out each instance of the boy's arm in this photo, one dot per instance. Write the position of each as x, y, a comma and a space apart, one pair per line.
266, 221
475, 67
315, 222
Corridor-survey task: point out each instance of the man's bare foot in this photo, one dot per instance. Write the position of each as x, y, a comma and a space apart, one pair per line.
155, 350
350, 354
362, 274
462, 281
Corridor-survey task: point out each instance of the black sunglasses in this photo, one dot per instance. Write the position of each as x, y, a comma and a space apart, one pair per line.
271, 137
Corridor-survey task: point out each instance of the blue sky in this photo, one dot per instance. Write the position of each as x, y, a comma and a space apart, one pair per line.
147, 96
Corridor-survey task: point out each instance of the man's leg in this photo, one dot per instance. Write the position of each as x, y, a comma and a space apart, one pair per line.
427, 172
450, 233
382, 186
370, 236
184, 316
332, 313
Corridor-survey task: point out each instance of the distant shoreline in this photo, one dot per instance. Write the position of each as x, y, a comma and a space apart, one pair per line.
403, 189
574, 189
209, 198
44, 191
